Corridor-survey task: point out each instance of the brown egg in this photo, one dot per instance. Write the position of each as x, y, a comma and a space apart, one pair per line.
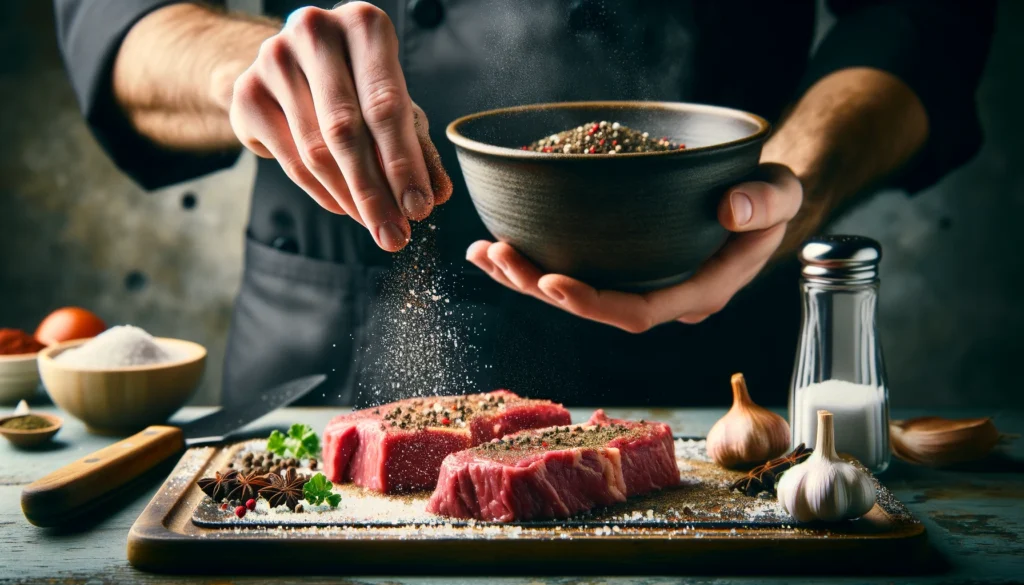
69, 323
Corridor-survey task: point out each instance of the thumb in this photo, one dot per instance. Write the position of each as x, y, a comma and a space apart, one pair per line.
440, 182
761, 204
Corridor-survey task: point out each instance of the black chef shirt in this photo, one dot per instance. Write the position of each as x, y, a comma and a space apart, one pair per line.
309, 300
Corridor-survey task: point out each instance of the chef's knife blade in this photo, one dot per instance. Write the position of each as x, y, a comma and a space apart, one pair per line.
78, 487
217, 425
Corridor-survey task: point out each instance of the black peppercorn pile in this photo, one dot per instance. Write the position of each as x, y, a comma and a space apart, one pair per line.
602, 138
264, 463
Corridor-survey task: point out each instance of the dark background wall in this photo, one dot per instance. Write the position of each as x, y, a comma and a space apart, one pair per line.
73, 231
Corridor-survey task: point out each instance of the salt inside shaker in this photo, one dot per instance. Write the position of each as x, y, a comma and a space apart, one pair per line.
839, 365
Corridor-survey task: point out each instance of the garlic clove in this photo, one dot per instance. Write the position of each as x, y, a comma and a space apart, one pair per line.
825, 487
935, 441
748, 434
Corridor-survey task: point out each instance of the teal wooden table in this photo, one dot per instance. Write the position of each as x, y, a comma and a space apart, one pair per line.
974, 518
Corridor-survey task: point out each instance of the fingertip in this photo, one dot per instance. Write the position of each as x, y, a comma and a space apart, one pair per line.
693, 319
560, 287
392, 236
739, 210
502, 250
443, 188
477, 250
501, 255
416, 204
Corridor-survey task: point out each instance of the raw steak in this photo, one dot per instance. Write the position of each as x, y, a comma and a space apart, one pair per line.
556, 472
400, 446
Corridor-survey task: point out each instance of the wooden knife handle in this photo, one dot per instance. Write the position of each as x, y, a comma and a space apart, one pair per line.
78, 486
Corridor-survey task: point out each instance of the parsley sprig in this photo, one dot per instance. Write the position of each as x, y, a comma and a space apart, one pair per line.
300, 442
317, 491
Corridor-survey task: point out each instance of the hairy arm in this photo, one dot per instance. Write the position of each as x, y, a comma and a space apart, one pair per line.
174, 72
852, 129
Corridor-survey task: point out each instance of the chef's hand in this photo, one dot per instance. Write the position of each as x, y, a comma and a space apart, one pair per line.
757, 213
326, 97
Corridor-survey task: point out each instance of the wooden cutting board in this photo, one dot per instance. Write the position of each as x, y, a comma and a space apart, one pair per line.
699, 527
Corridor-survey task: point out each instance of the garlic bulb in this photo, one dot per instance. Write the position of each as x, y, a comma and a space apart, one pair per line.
934, 441
825, 487
748, 433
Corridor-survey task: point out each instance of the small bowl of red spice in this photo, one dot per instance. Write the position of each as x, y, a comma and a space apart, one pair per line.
19, 374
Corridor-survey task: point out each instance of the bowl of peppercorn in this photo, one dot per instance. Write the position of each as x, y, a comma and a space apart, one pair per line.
621, 195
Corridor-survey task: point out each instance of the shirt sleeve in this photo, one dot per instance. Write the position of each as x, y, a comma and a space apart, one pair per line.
90, 33
938, 48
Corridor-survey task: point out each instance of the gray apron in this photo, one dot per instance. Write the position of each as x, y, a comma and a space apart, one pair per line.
310, 299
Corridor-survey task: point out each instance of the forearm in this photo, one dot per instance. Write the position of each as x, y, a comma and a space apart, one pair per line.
174, 70
850, 130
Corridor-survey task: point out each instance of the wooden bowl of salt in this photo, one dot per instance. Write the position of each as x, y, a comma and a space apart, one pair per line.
122, 399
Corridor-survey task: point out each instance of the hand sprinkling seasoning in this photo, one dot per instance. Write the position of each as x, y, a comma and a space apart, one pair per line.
602, 138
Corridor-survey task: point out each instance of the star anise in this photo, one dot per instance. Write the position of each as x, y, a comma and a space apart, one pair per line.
219, 486
247, 485
762, 478
286, 490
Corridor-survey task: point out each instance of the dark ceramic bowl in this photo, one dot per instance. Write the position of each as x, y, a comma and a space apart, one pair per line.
634, 221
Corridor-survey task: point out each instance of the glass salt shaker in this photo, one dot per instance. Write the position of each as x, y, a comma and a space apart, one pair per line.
839, 365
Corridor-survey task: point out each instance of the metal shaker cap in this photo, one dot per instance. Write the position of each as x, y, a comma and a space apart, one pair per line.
841, 259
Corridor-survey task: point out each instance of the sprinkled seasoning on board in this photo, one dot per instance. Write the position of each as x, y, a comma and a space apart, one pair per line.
603, 138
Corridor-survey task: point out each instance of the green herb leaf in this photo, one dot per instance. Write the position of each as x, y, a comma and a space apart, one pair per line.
308, 440
276, 443
317, 491
300, 442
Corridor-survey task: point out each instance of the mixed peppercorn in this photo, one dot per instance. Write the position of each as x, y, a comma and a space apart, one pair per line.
454, 411
602, 138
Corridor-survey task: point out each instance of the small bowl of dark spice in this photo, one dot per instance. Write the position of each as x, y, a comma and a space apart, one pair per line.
30, 429
621, 195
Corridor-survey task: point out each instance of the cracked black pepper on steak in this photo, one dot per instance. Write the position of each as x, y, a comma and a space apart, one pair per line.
602, 138
440, 412
563, 437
